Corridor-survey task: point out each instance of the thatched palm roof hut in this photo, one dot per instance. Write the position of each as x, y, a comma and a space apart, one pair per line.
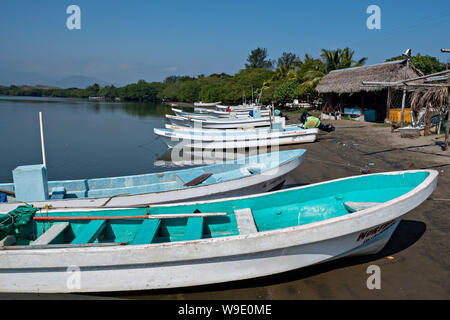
344, 88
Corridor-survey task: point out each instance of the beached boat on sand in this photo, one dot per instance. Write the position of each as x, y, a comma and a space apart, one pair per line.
257, 173
220, 123
228, 139
198, 243
216, 113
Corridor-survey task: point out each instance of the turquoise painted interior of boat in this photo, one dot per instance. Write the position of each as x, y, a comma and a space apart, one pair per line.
285, 208
310, 204
171, 180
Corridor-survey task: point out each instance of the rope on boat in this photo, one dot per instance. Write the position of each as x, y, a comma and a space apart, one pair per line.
109, 199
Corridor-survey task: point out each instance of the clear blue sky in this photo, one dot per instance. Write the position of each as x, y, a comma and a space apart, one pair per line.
124, 41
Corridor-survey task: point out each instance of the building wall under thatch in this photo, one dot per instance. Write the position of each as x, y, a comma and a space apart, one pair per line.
344, 88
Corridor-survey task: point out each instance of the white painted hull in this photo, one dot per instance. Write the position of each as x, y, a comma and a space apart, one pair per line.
243, 186
215, 113
206, 104
206, 261
190, 129
252, 140
181, 113
235, 114
217, 124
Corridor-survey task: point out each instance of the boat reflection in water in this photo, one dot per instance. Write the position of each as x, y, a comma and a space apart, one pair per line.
186, 156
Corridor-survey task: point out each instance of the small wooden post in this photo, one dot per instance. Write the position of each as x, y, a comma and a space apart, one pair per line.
448, 114
404, 94
388, 104
361, 118
44, 160
446, 129
402, 117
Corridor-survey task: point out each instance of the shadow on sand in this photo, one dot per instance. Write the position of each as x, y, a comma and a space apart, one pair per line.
407, 233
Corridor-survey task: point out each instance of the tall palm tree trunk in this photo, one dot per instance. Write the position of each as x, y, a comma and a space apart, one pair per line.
427, 119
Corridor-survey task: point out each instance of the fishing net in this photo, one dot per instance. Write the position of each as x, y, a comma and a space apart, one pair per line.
16, 218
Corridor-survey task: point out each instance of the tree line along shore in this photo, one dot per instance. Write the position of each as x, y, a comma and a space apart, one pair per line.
272, 81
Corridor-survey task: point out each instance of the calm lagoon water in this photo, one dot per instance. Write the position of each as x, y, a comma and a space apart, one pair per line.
83, 139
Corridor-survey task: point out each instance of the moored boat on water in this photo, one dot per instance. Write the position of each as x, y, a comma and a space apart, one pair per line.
197, 243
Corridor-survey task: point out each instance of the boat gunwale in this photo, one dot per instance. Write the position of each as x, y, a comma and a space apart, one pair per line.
88, 203
243, 135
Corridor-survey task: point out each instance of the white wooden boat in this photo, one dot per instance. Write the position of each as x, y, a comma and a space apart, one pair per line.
231, 239
244, 107
206, 104
189, 129
257, 173
236, 139
236, 113
216, 113
185, 114
219, 123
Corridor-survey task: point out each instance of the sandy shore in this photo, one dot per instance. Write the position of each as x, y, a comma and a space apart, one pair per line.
415, 264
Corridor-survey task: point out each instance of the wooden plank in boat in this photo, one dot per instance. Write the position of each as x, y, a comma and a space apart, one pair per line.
10, 193
51, 234
147, 232
352, 206
90, 232
245, 222
198, 179
194, 229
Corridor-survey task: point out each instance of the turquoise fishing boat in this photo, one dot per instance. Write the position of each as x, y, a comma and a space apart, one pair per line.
204, 242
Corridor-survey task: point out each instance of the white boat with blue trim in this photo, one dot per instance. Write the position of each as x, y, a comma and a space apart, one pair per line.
220, 123
254, 174
205, 242
229, 139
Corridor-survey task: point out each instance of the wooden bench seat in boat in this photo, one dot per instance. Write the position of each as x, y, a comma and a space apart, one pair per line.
147, 232
352, 206
51, 234
194, 229
93, 229
245, 222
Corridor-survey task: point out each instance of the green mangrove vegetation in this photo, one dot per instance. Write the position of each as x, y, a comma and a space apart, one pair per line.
287, 78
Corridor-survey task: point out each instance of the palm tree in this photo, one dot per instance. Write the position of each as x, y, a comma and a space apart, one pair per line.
340, 59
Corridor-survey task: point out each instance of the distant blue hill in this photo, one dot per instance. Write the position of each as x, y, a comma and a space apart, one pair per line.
78, 82
8, 78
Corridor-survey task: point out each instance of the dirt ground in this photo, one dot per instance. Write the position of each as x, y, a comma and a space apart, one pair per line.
415, 264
